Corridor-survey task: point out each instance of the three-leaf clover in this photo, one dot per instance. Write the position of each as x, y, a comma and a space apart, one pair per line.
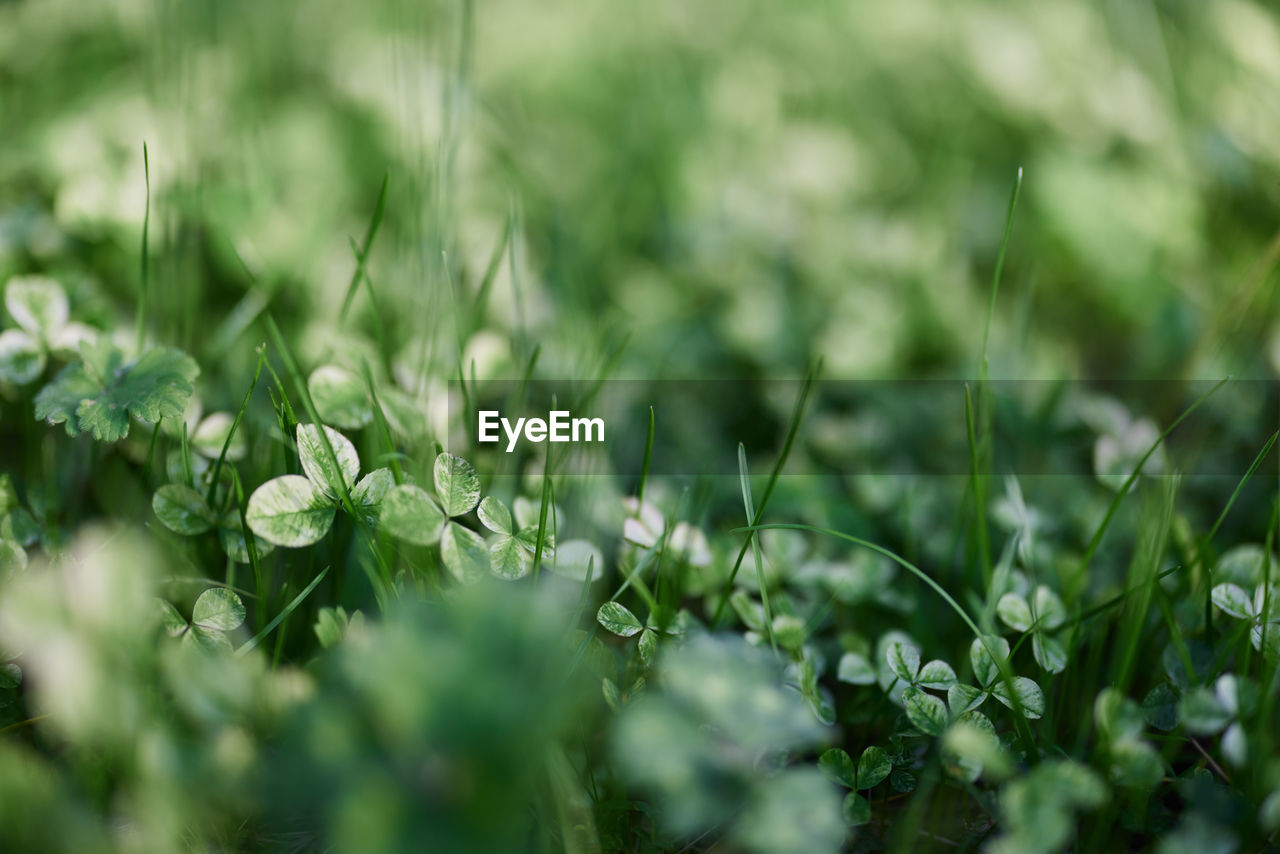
295, 511
39, 306
102, 391
512, 550
873, 768
1019, 692
216, 612
1262, 611
1041, 615
1209, 711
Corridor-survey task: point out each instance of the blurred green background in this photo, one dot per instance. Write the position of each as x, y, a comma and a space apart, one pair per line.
736, 186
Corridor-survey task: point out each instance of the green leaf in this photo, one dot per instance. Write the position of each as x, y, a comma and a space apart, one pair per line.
1202, 711
289, 511
331, 626
1014, 612
1160, 707
528, 537
100, 393
495, 516
937, 675
902, 781
873, 767
1048, 610
218, 609
208, 639
1117, 716
925, 711
1049, 652
1136, 764
508, 558
963, 698
38, 304
409, 513
316, 463
856, 810
985, 668
13, 558
457, 484
617, 619
172, 623
837, 765
182, 510
340, 397
21, 357
1233, 601
371, 490
465, 553
1027, 692
855, 669
648, 645
903, 660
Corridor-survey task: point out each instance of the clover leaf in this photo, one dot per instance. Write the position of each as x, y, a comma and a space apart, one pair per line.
294, 511
99, 393
39, 306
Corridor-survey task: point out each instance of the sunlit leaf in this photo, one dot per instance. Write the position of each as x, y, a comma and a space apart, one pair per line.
318, 465
218, 609
464, 553
1233, 600
289, 511
616, 618
495, 516
410, 513
457, 484
1014, 611
508, 558
340, 396
182, 510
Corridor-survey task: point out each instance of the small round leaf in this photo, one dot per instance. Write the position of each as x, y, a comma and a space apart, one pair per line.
182, 510
409, 513
289, 511
464, 552
218, 609
340, 397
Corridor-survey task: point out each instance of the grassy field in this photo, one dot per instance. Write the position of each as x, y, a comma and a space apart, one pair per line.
936, 349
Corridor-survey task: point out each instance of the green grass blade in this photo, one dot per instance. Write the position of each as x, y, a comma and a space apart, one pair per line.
279, 618
797, 416
745, 480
